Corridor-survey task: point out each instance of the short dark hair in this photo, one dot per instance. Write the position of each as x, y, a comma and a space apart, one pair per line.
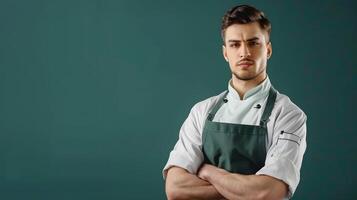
244, 14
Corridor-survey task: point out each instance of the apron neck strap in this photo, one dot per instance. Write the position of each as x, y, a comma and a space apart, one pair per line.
269, 107
220, 102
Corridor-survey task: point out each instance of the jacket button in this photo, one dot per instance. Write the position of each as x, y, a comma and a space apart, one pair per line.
258, 106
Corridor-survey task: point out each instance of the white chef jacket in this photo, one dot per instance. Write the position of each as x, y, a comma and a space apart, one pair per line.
286, 140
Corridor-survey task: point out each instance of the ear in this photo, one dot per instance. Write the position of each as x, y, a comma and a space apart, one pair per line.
269, 50
224, 51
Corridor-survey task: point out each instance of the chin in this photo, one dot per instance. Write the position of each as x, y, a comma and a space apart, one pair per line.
245, 77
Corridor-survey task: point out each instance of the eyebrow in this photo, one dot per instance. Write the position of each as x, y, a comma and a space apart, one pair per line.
250, 39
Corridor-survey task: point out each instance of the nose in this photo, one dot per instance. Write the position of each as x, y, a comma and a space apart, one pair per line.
244, 53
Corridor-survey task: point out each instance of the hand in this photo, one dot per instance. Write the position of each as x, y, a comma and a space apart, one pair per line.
203, 172
207, 171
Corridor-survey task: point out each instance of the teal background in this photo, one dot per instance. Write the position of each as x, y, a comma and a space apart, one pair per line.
93, 93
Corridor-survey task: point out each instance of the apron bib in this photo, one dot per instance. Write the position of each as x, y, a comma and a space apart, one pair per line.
237, 148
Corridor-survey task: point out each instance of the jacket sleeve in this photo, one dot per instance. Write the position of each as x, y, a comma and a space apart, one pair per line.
187, 152
284, 157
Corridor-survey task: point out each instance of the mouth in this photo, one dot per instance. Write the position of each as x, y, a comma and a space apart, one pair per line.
245, 64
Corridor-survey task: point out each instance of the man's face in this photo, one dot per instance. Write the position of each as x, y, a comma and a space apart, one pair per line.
247, 50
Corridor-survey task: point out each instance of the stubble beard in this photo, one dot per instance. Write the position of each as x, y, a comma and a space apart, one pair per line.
247, 77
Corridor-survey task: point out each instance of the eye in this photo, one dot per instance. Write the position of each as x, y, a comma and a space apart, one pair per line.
233, 45
253, 43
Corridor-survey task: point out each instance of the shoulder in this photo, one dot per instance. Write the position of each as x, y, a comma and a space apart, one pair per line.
285, 109
206, 105
200, 110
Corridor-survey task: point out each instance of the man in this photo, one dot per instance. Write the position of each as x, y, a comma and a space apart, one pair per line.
247, 142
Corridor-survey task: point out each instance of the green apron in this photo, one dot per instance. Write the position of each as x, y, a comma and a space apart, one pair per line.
237, 148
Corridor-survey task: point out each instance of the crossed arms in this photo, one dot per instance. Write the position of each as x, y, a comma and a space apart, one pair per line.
215, 183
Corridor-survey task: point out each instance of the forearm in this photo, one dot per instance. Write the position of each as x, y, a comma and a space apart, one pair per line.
236, 186
182, 185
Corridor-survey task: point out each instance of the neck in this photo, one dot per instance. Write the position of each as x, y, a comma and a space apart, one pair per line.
242, 86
